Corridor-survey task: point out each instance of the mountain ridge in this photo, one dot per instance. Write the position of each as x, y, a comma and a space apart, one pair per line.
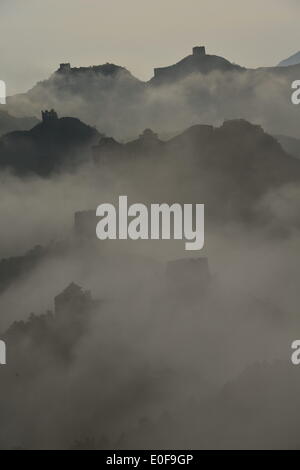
48, 146
201, 88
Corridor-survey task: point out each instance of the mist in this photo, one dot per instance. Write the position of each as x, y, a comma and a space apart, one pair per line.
124, 106
123, 344
156, 364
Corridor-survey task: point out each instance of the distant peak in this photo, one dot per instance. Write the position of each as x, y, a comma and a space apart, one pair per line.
197, 62
292, 60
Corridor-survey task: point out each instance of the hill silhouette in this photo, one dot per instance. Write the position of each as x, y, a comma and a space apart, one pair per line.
197, 62
48, 146
292, 60
230, 167
199, 88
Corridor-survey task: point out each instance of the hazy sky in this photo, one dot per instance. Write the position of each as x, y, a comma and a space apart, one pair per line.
36, 35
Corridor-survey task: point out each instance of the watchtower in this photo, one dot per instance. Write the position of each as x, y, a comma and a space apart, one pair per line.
199, 51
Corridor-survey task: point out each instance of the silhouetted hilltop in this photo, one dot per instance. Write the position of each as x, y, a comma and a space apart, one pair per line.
237, 147
48, 146
229, 167
242, 160
199, 88
197, 62
108, 149
106, 69
83, 81
84, 84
